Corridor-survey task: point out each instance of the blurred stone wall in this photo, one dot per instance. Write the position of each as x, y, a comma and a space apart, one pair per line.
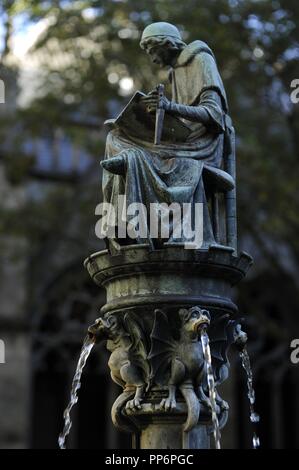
14, 331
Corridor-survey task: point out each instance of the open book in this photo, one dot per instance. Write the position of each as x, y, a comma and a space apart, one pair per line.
135, 121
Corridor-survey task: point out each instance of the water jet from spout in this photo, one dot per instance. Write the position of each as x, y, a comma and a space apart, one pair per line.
211, 385
85, 352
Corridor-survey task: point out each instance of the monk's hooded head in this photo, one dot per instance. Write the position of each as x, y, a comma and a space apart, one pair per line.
162, 42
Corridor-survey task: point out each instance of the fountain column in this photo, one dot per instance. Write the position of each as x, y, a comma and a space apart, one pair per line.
157, 302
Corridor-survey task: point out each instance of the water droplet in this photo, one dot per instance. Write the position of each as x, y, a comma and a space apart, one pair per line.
256, 441
254, 418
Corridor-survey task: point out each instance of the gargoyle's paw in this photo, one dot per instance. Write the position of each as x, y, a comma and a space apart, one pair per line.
223, 405
162, 404
207, 403
168, 404
134, 404
137, 403
173, 404
129, 405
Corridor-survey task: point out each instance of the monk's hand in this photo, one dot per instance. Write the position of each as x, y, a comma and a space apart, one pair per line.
152, 101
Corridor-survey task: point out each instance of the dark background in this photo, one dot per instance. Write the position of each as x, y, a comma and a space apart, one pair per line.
82, 63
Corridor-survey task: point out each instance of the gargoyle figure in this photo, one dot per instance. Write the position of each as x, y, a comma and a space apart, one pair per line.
185, 358
128, 361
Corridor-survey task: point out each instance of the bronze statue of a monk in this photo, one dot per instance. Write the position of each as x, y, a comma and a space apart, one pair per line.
172, 172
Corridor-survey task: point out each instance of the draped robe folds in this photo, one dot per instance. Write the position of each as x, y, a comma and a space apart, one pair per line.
172, 173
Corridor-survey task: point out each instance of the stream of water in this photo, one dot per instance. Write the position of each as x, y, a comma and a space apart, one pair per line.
85, 352
211, 384
254, 417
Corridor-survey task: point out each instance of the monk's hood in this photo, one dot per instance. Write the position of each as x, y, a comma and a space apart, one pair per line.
196, 71
192, 49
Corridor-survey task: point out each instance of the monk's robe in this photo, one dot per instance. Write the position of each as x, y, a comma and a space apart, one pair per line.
172, 173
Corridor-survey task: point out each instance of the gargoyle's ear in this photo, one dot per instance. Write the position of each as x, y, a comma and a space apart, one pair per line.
183, 312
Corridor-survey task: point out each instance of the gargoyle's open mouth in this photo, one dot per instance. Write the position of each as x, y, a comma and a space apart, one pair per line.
95, 330
92, 332
202, 322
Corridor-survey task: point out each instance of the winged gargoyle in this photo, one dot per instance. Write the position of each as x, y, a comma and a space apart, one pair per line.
185, 359
128, 360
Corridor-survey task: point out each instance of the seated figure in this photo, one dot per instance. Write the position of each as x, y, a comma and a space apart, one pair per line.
172, 172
